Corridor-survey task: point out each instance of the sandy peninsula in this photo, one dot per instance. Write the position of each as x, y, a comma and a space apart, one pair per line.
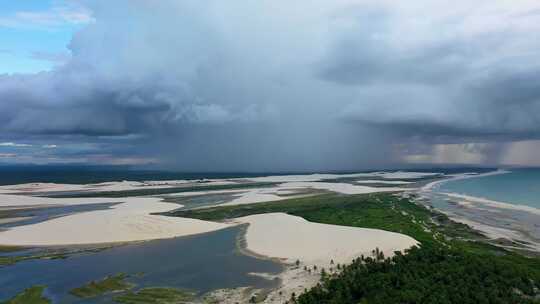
292, 238
129, 220
277, 193
110, 186
321, 177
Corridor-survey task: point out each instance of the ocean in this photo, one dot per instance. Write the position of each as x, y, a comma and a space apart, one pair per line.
474, 201
520, 187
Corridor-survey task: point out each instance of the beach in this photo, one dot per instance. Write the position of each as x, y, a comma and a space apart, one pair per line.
508, 222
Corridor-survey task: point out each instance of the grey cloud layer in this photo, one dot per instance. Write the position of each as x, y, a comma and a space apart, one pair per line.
265, 85
474, 84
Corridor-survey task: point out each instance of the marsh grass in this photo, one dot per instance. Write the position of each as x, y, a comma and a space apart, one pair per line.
32, 295
113, 283
161, 295
9, 249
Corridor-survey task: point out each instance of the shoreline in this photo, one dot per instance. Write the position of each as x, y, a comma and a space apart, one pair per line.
496, 225
285, 239
430, 186
493, 203
290, 275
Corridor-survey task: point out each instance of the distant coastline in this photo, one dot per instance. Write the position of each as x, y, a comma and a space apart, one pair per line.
496, 219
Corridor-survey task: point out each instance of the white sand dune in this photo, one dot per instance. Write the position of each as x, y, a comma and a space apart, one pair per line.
288, 237
135, 185
39, 187
125, 222
320, 177
53, 187
291, 238
388, 182
131, 220
259, 195
406, 175
343, 188
302, 177
110, 186
8, 201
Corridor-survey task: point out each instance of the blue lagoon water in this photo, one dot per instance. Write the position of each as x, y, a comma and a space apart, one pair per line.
200, 263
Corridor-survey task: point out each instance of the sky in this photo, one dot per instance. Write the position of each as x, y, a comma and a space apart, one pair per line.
260, 85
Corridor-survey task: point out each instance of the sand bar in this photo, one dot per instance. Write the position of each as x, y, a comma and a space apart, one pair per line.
321, 177
110, 186
387, 182
125, 222
492, 203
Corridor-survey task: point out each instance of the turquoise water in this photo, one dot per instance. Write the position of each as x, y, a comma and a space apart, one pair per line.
520, 187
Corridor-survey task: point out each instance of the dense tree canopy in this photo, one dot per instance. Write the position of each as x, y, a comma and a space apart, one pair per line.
430, 274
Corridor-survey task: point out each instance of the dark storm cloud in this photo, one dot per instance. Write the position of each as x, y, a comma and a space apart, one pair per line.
259, 86
449, 87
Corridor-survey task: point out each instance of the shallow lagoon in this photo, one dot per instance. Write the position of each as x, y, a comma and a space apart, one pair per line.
201, 263
199, 201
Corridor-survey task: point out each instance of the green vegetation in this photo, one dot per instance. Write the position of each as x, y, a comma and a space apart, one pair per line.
32, 295
47, 254
97, 288
6, 249
454, 264
155, 295
427, 275
381, 211
157, 191
12, 259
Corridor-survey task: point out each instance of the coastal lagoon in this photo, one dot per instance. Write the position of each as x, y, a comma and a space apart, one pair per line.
200, 263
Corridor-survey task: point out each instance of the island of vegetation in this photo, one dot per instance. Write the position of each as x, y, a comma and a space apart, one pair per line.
155, 295
32, 295
113, 283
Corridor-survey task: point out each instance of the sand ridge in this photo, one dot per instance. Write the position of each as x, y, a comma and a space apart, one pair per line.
129, 220
291, 238
283, 236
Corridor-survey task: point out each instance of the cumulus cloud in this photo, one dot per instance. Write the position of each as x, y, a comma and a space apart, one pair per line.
264, 85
